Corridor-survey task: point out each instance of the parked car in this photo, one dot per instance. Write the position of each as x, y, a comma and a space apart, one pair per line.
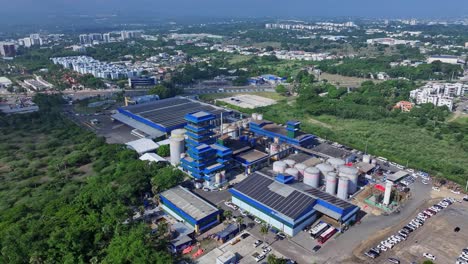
429, 256
281, 235
258, 221
394, 260
316, 248
257, 243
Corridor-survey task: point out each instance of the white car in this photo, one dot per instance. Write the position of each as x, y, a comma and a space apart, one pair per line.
429, 256
424, 182
243, 213
455, 192
437, 189
256, 220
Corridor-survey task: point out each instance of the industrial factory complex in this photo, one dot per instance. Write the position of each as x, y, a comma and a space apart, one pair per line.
274, 173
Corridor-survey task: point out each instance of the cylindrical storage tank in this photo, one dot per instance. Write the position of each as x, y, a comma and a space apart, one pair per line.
336, 162
301, 168
290, 163
176, 146
324, 168
198, 185
342, 192
352, 174
293, 172
279, 166
366, 158
259, 117
254, 116
330, 185
312, 177
178, 133
374, 162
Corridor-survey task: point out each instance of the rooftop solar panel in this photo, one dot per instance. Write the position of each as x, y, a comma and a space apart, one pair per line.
259, 188
329, 198
170, 112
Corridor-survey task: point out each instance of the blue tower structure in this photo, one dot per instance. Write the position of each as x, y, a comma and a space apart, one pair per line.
205, 158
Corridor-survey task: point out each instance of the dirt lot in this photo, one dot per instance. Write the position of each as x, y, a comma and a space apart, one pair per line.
344, 81
436, 237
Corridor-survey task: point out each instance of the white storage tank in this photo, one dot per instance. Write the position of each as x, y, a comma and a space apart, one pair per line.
352, 174
178, 133
312, 177
335, 163
330, 185
301, 168
324, 168
293, 172
342, 192
259, 117
279, 166
374, 162
290, 163
254, 116
177, 147
366, 158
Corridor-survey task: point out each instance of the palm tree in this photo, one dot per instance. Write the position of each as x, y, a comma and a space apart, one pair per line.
264, 232
227, 214
240, 221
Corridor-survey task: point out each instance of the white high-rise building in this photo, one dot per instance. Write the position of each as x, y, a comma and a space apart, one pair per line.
106, 37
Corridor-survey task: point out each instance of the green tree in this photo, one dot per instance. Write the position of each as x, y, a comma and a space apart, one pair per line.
164, 151
227, 214
160, 90
281, 89
166, 178
272, 259
239, 221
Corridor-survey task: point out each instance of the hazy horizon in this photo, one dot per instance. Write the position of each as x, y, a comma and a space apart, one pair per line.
20, 11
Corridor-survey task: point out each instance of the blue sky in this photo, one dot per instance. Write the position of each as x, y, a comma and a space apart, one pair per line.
243, 8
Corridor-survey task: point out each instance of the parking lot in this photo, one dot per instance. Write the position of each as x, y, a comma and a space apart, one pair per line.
436, 237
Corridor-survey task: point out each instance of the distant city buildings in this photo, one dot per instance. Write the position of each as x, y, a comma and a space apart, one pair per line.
106, 37
392, 41
327, 26
7, 49
280, 54
439, 94
133, 34
88, 65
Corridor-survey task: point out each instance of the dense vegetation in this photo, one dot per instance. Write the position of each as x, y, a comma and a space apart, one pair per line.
64, 194
371, 66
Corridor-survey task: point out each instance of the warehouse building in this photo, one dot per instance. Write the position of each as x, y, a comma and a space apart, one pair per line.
289, 207
188, 208
158, 118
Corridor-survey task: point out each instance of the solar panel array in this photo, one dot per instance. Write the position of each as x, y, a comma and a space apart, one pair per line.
256, 187
329, 198
170, 112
